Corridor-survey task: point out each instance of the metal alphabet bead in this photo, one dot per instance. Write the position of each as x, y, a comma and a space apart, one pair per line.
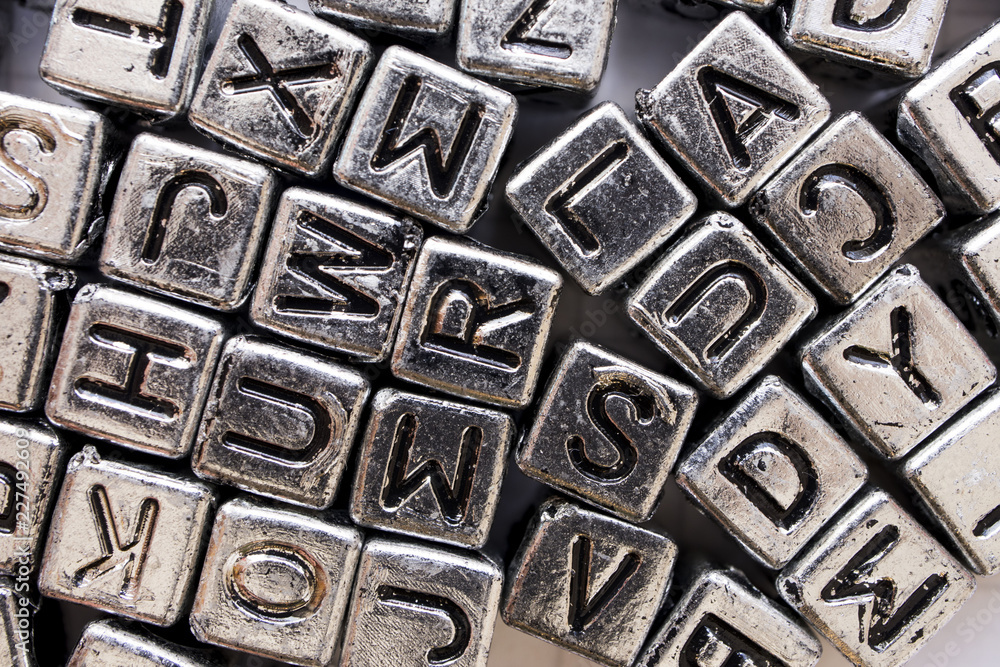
734, 110
476, 322
847, 207
15, 626
280, 84
276, 583
31, 464
427, 139
957, 475
896, 37
126, 539
134, 370
600, 198
59, 159
188, 222
897, 365
973, 256
431, 468
772, 472
720, 304
142, 54
335, 274
32, 297
421, 605
425, 20
951, 118
588, 583
608, 431
112, 643
722, 615
558, 43
876, 583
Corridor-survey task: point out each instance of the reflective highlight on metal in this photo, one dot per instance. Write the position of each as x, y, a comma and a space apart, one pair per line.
16, 626
112, 643
134, 370
425, 20
276, 582
476, 322
421, 605
973, 255
897, 365
279, 422
720, 304
187, 222
426, 139
876, 584
607, 431
126, 539
600, 198
280, 84
431, 468
733, 110
335, 274
588, 583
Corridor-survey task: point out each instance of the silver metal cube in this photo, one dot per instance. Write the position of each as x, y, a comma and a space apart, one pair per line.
588, 583
951, 119
134, 370
847, 207
279, 422
562, 44
876, 584
733, 110
957, 475
720, 304
335, 274
476, 322
424, 20
187, 222
58, 160
142, 54
600, 198
32, 302
126, 539
421, 605
973, 257
894, 36
721, 619
427, 139
772, 472
280, 84
111, 643
16, 624
897, 365
32, 457
608, 431
276, 582
431, 468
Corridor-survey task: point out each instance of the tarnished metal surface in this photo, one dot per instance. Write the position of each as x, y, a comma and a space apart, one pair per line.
427, 19
114, 644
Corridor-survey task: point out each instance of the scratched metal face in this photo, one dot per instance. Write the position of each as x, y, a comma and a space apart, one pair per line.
772, 472
896, 37
897, 365
427, 139
847, 207
280, 84
476, 322
126, 539
973, 254
423, 20
279, 422
558, 43
187, 222
734, 110
876, 584
139, 54
421, 605
721, 614
607, 431
588, 583
112, 643
134, 370
600, 198
335, 274
276, 582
